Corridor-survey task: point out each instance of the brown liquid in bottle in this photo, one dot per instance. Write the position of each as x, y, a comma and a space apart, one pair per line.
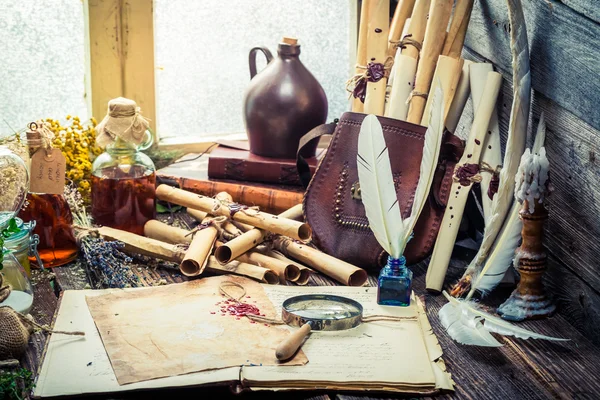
54, 226
123, 200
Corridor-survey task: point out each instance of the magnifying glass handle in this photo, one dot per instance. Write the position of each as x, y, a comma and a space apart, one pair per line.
292, 343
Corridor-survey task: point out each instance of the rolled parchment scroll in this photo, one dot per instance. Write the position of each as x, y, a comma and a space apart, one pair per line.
339, 270
258, 219
166, 233
455, 38
305, 272
142, 245
466, 172
201, 247
250, 239
259, 273
361, 51
402, 12
447, 74
439, 16
460, 98
405, 62
285, 271
491, 153
377, 41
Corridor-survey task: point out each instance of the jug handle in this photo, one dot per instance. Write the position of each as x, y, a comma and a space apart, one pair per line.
252, 58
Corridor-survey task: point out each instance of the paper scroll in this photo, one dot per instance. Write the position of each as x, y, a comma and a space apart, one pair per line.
491, 153
250, 239
361, 51
403, 11
166, 233
447, 74
259, 219
377, 40
455, 38
197, 214
305, 272
142, 245
439, 16
339, 270
285, 271
259, 273
460, 98
460, 190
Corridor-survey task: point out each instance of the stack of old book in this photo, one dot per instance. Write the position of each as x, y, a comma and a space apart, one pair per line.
272, 184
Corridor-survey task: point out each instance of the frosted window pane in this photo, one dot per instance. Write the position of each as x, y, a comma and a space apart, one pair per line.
42, 61
202, 56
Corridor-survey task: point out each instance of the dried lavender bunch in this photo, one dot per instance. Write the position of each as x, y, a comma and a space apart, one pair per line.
107, 264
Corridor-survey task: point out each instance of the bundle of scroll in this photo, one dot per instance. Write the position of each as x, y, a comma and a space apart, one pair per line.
236, 239
399, 64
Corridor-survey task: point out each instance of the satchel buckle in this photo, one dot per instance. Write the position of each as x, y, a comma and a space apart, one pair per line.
355, 190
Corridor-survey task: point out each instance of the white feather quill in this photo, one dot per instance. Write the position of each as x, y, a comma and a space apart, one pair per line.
467, 324
501, 257
516, 137
377, 182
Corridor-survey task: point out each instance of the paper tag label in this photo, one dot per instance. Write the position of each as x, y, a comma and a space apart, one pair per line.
47, 172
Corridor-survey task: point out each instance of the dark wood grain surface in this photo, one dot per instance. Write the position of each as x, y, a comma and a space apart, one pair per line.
519, 370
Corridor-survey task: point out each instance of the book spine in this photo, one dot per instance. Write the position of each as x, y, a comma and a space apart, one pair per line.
269, 200
252, 171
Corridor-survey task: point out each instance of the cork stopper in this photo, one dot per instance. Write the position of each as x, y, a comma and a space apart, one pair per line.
289, 40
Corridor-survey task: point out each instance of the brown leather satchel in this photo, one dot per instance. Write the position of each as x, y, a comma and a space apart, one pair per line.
332, 204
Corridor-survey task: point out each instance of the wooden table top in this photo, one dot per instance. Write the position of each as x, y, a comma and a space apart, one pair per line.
521, 369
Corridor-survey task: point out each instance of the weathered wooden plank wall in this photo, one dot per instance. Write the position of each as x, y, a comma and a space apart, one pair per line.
565, 65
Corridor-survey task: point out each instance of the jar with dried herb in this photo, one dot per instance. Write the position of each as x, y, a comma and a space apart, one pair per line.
46, 203
123, 178
22, 243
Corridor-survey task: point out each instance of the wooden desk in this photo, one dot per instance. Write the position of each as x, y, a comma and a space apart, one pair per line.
522, 369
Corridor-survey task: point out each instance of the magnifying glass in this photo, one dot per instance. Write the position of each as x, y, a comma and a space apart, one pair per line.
316, 312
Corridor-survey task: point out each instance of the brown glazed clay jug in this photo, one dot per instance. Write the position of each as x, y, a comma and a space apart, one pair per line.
282, 103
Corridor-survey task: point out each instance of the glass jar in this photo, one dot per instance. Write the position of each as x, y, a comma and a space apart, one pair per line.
14, 183
23, 244
14, 281
123, 186
54, 221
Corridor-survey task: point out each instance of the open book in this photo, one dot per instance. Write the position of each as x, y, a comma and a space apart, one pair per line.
392, 356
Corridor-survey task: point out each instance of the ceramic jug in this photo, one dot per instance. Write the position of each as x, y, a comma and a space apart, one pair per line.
282, 103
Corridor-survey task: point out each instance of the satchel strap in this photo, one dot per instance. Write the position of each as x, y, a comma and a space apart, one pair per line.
316, 132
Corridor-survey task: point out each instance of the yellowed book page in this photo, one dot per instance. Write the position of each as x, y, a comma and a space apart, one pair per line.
85, 363
370, 353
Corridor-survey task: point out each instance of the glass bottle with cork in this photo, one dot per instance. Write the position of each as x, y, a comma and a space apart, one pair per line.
123, 178
46, 203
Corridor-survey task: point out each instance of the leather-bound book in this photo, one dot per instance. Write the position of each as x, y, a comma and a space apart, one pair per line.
230, 161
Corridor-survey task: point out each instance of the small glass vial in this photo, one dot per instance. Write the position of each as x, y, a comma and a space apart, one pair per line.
14, 282
123, 186
23, 244
395, 283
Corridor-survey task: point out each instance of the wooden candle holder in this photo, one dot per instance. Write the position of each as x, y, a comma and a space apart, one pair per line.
530, 300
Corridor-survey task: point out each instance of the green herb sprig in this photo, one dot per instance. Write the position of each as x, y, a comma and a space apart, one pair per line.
6, 232
16, 384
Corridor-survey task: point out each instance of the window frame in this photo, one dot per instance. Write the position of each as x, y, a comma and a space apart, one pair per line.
121, 62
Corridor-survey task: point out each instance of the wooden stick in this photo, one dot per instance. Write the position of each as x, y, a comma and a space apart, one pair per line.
258, 219
455, 38
447, 73
460, 98
376, 53
491, 153
439, 15
250, 239
403, 11
361, 50
460, 191
339, 270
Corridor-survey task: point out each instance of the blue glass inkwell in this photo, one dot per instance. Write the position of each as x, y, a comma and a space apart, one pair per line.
395, 283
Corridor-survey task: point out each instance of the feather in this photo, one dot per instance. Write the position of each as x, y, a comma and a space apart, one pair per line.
516, 138
466, 323
503, 253
431, 153
377, 187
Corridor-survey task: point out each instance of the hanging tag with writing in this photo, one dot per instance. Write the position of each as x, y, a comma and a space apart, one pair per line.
47, 172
